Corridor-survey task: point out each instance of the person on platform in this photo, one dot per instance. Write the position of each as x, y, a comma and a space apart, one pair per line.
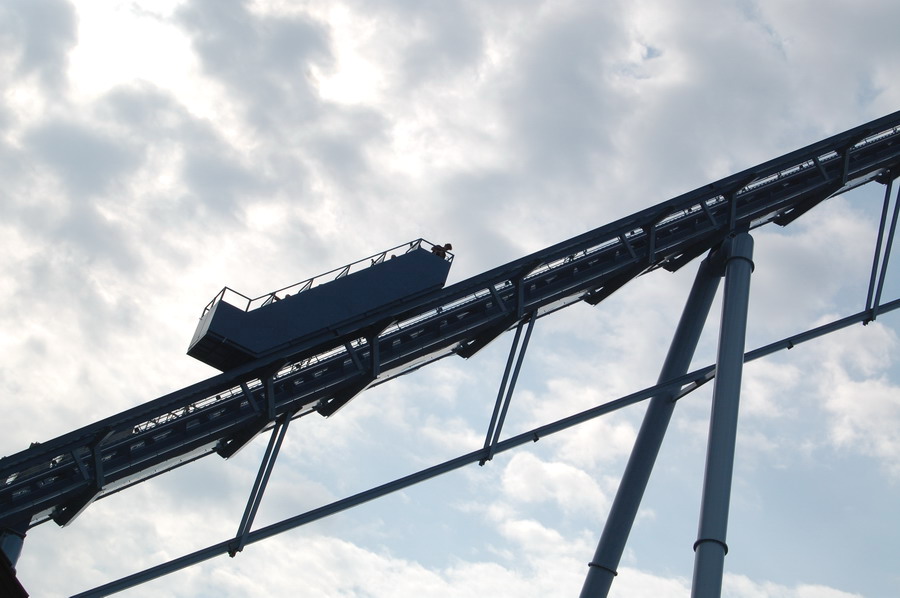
441, 251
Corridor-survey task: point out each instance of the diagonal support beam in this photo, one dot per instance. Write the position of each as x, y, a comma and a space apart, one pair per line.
354, 356
498, 299
501, 406
876, 279
64, 514
259, 486
624, 509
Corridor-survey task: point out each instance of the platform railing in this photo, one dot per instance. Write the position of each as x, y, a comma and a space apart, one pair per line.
246, 303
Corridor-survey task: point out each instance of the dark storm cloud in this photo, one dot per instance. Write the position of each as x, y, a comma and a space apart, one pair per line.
38, 34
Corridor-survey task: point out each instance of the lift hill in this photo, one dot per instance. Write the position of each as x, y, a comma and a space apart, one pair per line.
278, 377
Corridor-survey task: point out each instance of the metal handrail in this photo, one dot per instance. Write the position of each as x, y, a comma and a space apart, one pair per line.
246, 303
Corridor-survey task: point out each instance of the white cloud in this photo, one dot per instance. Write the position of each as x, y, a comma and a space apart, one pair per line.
453, 435
527, 479
763, 388
743, 587
118, 42
153, 153
854, 385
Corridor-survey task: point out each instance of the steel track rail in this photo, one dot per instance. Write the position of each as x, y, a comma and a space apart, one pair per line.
685, 385
59, 478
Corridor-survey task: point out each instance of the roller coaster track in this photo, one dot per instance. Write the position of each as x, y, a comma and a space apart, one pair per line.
56, 480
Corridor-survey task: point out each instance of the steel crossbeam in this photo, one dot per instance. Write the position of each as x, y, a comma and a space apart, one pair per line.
679, 386
57, 479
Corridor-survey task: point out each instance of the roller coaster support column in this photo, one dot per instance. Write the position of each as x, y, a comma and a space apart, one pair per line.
710, 547
11, 540
646, 447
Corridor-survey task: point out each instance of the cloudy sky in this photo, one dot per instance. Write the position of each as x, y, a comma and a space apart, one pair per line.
153, 152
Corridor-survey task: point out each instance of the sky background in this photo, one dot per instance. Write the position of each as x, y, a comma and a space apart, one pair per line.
153, 152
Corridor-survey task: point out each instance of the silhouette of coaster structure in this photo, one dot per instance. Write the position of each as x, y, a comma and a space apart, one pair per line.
314, 346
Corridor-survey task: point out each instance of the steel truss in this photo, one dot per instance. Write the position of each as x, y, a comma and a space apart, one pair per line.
677, 388
58, 479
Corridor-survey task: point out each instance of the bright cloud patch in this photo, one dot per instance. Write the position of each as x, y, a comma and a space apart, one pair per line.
527, 479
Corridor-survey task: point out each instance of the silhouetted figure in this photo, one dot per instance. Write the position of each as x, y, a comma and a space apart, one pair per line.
441, 252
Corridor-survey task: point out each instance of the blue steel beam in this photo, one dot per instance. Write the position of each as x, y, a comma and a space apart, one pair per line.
687, 383
259, 486
603, 567
501, 391
222, 413
500, 410
887, 251
710, 547
879, 239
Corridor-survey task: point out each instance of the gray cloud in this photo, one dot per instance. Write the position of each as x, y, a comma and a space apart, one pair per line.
560, 104
145, 110
86, 161
213, 178
92, 168
445, 39
39, 35
217, 181
264, 62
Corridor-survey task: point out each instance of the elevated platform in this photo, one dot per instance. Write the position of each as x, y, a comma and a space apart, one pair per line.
235, 329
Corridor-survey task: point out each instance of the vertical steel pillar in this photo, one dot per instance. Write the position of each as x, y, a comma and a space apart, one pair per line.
11, 541
649, 439
12, 537
710, 547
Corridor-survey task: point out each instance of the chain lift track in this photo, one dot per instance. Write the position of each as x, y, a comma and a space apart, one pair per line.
56, 480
